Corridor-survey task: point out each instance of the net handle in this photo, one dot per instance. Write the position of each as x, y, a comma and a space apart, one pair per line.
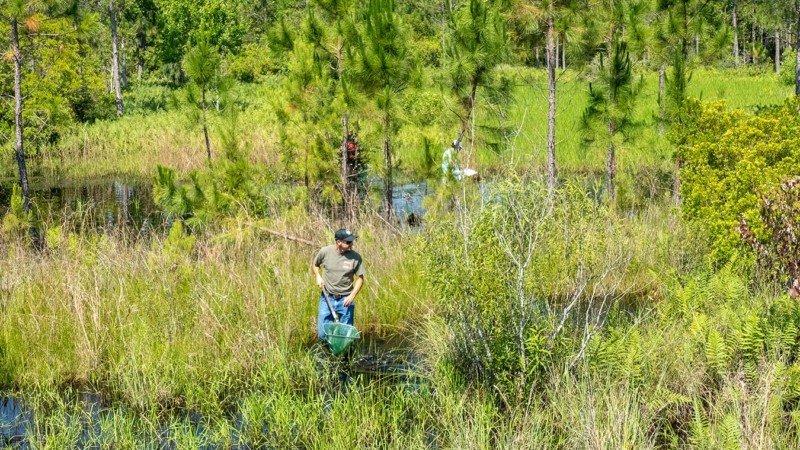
330, 307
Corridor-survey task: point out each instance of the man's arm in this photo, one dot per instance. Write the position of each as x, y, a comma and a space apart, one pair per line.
356, 287
320, 281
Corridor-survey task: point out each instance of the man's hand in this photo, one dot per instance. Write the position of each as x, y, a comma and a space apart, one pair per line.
356, 287
320, 282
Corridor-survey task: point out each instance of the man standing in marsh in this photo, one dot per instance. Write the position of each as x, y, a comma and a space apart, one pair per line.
450, 161
450, 166
342, 277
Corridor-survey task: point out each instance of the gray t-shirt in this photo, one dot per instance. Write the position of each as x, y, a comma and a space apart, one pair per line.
339, 269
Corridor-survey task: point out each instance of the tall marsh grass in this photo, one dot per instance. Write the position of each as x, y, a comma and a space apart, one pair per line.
148, 317
645, 146
207, 340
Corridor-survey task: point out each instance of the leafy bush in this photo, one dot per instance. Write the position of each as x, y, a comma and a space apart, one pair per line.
425, 107
512, 275
730, 159
177, 246
16, 222
62, 82
230, 187
147, 97
249, 64
788, 67
778, 249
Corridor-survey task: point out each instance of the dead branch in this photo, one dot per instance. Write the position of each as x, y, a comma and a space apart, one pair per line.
291, 238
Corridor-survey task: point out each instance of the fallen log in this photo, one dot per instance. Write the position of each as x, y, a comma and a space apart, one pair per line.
291, 238
392, 228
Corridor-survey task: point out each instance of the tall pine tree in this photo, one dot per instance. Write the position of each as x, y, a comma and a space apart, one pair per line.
608, 118
384, 69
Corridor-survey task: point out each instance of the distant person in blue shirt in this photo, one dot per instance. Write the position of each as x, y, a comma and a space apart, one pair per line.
450, 167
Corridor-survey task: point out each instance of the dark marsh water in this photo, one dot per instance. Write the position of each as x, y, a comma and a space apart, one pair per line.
109, 203
96, 203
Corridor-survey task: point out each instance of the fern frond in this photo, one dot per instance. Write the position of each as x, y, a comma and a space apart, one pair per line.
699, 429
716, 352
730, 433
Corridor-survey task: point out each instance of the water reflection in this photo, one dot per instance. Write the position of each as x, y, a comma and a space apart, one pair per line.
407, 203
112, 203
103, 203
14, 421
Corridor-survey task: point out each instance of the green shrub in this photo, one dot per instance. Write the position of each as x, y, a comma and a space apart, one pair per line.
730, 159
425, 107
789, 67
147, 98
16, 222
250, 63
231, 186
177, 246
512, 274
777, 248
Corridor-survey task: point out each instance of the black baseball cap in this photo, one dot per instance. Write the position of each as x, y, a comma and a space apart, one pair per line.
343, 234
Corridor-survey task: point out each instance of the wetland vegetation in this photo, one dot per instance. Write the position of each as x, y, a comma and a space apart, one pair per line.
618, 275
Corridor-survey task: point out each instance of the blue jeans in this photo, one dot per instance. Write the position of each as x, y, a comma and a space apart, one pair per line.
346, 313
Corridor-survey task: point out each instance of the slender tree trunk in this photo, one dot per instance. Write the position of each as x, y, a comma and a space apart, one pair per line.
474, 119
753, 42
611, 163
681, 78
473, 97
777, 51
347, 195
734, 24
551, 115
662, 110
558, 50
444, 34
123, 71
140, 55
115, 81
18, 142
306, 178
696, 44
204, 106
564, 54
745, 49
797, 48
676, 183
387, 156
